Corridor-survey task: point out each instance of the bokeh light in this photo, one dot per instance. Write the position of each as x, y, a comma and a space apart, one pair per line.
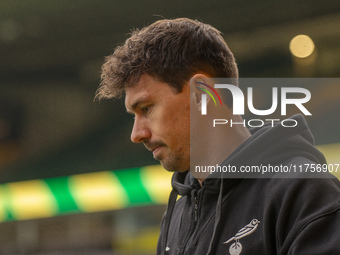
301, 46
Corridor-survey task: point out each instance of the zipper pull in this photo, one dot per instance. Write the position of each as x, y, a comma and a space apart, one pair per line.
196, 209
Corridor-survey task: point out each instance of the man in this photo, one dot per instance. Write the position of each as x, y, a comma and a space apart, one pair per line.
216, 215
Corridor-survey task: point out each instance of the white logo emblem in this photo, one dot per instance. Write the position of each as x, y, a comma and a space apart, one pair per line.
236, 248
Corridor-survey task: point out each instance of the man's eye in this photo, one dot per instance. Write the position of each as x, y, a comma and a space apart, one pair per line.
146, 109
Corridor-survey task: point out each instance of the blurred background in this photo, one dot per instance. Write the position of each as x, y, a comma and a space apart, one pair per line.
63, 187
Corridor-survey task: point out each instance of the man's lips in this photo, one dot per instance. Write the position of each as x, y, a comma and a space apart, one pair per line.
154, 148
154, 151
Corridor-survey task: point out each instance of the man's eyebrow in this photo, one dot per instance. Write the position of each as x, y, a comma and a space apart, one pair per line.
134, 106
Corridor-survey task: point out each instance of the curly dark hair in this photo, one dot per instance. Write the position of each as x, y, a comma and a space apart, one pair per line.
170, 50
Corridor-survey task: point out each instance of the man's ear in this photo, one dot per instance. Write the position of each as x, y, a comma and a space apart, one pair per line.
199, 84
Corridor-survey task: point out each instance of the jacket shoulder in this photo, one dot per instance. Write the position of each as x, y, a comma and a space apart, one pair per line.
303, 206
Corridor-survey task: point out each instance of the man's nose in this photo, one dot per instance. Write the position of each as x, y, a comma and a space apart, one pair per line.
140, 131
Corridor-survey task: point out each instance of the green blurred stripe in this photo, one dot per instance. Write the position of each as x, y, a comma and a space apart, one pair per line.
61, 192
6, 202
130, 180
9, 199
133, 186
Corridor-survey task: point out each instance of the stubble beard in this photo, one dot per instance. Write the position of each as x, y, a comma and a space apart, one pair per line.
175, 163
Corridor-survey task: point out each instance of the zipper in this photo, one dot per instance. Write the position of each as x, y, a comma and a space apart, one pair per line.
208, 222
193, 222
197, 195
196, 209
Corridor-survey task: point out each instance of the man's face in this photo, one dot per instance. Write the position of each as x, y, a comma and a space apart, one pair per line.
162, 121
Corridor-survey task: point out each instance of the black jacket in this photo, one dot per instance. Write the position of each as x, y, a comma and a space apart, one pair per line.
257, 216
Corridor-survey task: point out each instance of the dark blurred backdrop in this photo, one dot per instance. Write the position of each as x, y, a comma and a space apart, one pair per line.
50, 58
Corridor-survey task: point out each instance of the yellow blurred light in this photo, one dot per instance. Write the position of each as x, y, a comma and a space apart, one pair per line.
301, 46
94, 192
157, 183
31, 199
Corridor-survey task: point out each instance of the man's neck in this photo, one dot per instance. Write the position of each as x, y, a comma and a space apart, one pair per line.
222, 144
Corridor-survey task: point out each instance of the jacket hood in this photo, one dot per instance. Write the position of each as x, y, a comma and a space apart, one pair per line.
269, 144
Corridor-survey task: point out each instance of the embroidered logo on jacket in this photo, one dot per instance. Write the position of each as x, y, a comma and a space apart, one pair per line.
236, 247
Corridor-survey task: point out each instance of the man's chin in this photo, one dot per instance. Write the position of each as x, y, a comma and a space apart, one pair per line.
173, 167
